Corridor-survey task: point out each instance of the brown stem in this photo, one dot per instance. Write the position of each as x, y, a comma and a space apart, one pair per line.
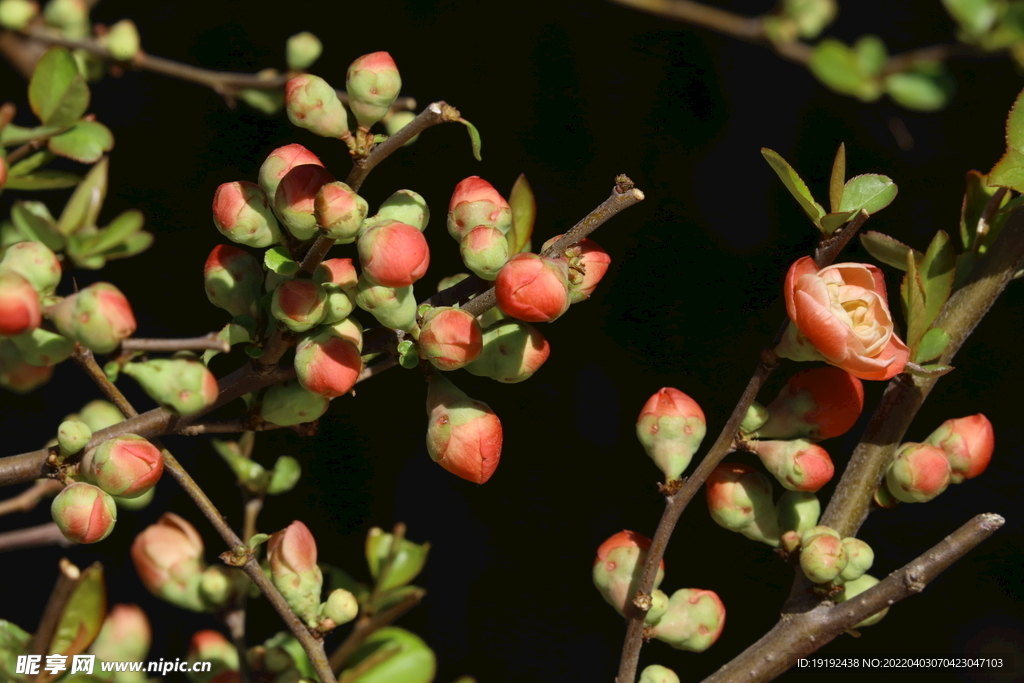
234, 619
365, 627
32, 537
68, 576
208, 341
30, 497
253, 506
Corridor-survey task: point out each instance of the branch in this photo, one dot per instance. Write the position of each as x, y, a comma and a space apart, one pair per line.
30, 497
208, 341
365, 627
32, 537
68, 577
797, 635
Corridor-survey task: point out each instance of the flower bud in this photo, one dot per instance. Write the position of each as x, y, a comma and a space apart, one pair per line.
463, 435
393, 254
968, 443
16, 14
66, 14
740, 499
302, 50
211, 647
337, 272
122, 40
587, 261
125, 466
450, 338
475, 202
327, 365
300, 304
182, 384
406, 564
242, 213
232, 278
291, 404
815, 404
818, 530
100, 414
619, 565
294, 201
125, 637
339, 212
860, 556
279, 162
396, 122
756, 416
98, 317
659, 605
341, 607
34, 262
854, 588
373, 84
404, 206
72, 436
312, 104
823, 557
484, 250
292, 556
40, 347
790, 541
16, 374
533, 288
349, 329
658, 674
19, 304
693, 621
215, 587
918, 473
511, 352
394, 308
168, 556
798, 465
798, 511
671, 427
84, 513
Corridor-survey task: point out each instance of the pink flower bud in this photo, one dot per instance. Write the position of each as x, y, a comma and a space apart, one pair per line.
393, 307
512, 351
475, 202
588, 262
918, 473
623, 539
168, 557
740, 500
34, 262
210, 646
312, 104
327, 365
125, 466
99, 317
815, 404
484, 250
339, 211
968, 443
798, 465
241, 211
671, 427
125, 636
463, 435
292, 557
232, 277
373, 84
338, 271
84, 513
693, 620
16, 374
533, 288
450, 338
299, 304
617, 568
279, 162
394, 254
823, 557
19, 305
296, 196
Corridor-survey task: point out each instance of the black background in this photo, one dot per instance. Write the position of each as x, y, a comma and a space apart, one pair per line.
570, 94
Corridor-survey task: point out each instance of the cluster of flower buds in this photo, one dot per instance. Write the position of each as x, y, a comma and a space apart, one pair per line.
959, 449
671, 428
587, 262
479, 218
691, 619
827, 558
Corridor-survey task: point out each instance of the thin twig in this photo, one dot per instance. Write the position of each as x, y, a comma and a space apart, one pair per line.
68, 577
30, 497
208, 341
234, 619
33, 537
365, 627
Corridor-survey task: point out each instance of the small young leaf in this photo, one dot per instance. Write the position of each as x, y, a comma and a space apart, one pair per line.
233, 333
84, 205
871, 54
795, 184
132, 245
44, 180
268, 101
1009, 170
13, 135
474, 137
83, 614
837, 179
889, 251
925, 88
285, 475
524, 213
14, 640
120, 229
834, 221
278, 260
257, 540
57, 93
34, 222
974, 16
29, 164
86, 142
912, 295
933, 343
927, 370
977, 195
936, 271
871, 192
838, 67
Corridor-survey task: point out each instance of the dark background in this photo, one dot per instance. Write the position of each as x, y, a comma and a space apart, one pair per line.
570, 94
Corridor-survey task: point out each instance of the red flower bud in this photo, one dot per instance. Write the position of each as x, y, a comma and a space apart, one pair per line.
99, 317
798, 465
327, 365
125, 636
512, 351
19, 305
279, 162
394, 254
373, 84
533, 288
84, 513
671, 427
241, 211
210, 646
312, 104
740, 500
588, 262
294, 201
475, 202
125, 466
292, 556
968, 443
484, 250
617, 568
693, 620
918, 473
623, 539
34, 262
463, 435
449, 338
815, 404
299, 304
168, 557
232, 277
338, 271
16, 374
339, 211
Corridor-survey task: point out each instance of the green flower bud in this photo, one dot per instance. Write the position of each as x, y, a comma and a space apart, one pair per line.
350, 329
40, 347
755, 418
122, 40
34, 262
854, 588
289, 404
407, 564
302, 50
861, 557
617, 568
659, 605
693, 621
314, 105
404, 206
394, 308
138, 502
671, 427
512, 352
658, 674
232, 279
798, 511
823, 558
373, 84
182, 384
100, 414
398, 120
341, 607
16, 14
72, 436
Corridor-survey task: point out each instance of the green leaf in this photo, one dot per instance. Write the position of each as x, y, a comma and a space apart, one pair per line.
977, 195
408, 561
474, 137
871, 55
408, 354
837, 179
927, 370
13, 135
43, 180
927, 87
264, 100
278, 260
912, 295
86, 142
13, 642
86, 201
391, 655
974, 16
839, 68
284, 476
795, 184
257, 540
117, 232
871, 192
30, 163
233, 333
936, 271
524, 214
834, 221
34, 222
339, 578
933, 343
132, 245
57, 93
889, 251
83, 614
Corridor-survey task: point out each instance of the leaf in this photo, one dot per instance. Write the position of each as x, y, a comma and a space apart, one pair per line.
837, 179
524, 214
117, 232
86, 201
278, 260
1009, 170
888, 250
474, 137
977, 195
267, 101
871, 192
257, 540
233, 333
43, 180
933, 343
83, 614
927, 370
13, 135
135, 244
86, 142
834, 221
974, 16
57, 93
795, 184
31, 163
839, 68
871, 55
927, 87
13, 642
392, 597
34, 222
936, 272
284, 476
912, 295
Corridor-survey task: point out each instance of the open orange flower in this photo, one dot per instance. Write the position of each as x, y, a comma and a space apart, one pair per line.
840, 315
